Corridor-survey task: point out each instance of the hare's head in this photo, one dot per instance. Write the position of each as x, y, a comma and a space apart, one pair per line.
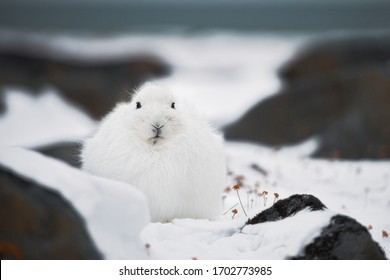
154, 116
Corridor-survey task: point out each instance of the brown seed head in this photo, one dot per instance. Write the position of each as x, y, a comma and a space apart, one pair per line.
236, 187
385, 234
369, 227
234, 211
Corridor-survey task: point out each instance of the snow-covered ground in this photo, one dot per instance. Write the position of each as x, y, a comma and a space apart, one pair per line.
223, 75
104, 204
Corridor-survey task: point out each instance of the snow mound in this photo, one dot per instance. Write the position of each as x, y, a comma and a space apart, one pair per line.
115, 212
227, 239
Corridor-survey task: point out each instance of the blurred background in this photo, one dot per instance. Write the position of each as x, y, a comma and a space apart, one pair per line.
273, 72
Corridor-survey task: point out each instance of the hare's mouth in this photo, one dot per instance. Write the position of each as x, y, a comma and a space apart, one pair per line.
156, 139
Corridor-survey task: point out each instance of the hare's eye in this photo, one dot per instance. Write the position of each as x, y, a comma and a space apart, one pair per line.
173, 105
138, 105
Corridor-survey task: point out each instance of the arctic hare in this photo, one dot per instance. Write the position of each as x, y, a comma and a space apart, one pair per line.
166, 149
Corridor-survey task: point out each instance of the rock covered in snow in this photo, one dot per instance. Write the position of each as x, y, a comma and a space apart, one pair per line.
343, 238
114, 212
38, 223
288, 207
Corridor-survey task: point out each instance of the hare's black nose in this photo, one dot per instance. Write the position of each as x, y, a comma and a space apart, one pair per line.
157, 128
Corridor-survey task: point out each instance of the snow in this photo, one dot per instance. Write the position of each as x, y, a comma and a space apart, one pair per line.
230, 239
25, 122
223, 75
114, 212
355, 188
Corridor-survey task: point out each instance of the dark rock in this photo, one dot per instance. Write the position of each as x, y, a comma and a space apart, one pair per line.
94, 85
67, 151
335, 57
2, 105
287, 207
38, 223
336, 90
343, 239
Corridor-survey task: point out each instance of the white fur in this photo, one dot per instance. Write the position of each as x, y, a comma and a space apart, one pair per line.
182, 174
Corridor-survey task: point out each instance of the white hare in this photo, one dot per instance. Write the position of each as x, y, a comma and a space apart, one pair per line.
166, 149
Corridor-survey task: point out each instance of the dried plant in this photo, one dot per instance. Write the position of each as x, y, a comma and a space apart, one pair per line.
276, 197
369, 227
240, 177
224, 213
234, 211
248, 193
237, 188
264, 194
240, 180
385, 234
